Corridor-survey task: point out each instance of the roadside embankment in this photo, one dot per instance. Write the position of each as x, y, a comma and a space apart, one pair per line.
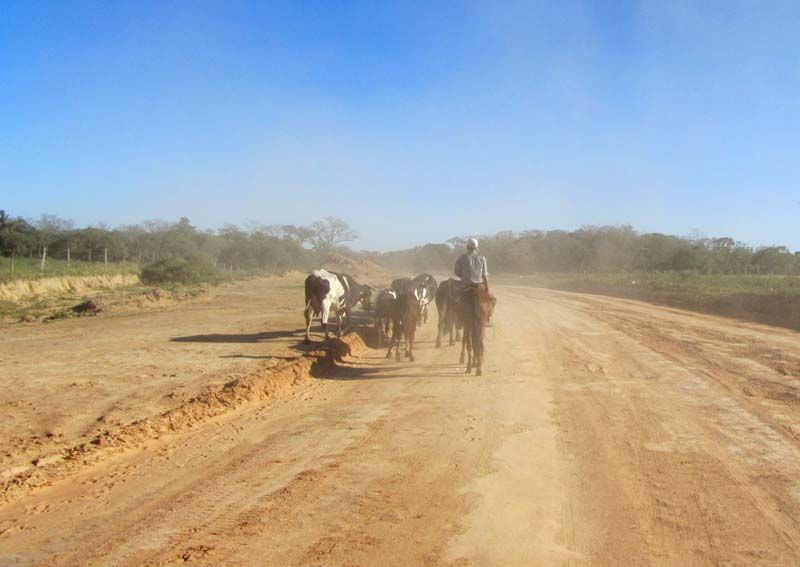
26, 290
771, 300
258, 385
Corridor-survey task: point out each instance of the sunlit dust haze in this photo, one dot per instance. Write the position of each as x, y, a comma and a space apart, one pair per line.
414, 122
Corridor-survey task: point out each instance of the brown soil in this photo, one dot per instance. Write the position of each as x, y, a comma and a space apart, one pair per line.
604, 432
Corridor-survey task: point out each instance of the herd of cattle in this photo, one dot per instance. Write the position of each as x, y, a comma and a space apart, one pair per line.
401, 308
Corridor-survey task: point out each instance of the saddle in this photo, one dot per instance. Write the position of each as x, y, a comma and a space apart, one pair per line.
477, 292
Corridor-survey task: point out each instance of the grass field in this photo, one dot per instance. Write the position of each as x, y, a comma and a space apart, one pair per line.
773, 300
29, 269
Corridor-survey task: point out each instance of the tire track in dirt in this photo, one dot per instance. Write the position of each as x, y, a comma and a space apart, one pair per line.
702, 452
591, 440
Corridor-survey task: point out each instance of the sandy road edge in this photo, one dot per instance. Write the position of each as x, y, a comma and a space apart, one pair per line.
258, 385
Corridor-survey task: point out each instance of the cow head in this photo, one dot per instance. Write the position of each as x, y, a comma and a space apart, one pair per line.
365, 297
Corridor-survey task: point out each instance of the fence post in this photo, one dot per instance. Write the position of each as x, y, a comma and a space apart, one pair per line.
44, 257
105, 256
67, 255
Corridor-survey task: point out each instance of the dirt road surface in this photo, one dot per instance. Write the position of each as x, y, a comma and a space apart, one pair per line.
604, 432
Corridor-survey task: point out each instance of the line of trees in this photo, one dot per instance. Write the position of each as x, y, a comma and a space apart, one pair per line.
254, 247
283, 247
600, 249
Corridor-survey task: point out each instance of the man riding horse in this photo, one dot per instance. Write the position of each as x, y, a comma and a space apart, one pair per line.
471, 267
475, 303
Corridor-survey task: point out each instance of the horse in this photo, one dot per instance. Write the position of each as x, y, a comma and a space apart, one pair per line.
474, 309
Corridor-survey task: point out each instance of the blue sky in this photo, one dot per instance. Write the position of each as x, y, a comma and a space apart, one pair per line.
414, 122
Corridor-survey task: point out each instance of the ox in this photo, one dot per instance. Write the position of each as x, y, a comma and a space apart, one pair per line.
384, 311
328, 292
446, 296
403, 286
404, 325
426, 283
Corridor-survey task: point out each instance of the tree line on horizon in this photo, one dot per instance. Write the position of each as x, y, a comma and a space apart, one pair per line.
255, 247
598, 249
277, 248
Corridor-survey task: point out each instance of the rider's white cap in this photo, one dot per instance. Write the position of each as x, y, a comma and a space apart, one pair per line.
472, 243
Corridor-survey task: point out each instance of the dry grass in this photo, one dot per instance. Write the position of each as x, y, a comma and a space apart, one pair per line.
18, 291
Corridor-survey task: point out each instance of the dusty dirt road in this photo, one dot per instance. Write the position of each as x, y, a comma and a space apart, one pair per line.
604, 432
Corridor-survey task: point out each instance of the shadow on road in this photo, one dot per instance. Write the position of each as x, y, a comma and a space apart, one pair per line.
243, 338
264, 357
380, 372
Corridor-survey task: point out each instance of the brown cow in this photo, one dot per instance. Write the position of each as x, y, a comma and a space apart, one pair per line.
384, 312
404, 325
446, 296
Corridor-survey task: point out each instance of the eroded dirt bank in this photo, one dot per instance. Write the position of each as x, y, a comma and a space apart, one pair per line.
605, 432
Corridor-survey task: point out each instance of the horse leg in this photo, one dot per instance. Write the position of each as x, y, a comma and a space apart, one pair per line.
451, 323
479, 335
467, 340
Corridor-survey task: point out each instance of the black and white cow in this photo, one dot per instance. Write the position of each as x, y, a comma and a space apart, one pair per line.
427, 286
329, 292
405, 285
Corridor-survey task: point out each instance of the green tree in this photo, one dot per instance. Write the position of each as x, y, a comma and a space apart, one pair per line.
17, 236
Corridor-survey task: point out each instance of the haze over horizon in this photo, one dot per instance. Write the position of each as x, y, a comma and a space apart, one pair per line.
414, 125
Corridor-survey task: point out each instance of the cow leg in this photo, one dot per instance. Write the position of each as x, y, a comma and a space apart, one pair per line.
410, 339
439, 331
326, 313
391, 343
378, 325
338, 323
398, 348
308, 312
394, 341
348, 318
